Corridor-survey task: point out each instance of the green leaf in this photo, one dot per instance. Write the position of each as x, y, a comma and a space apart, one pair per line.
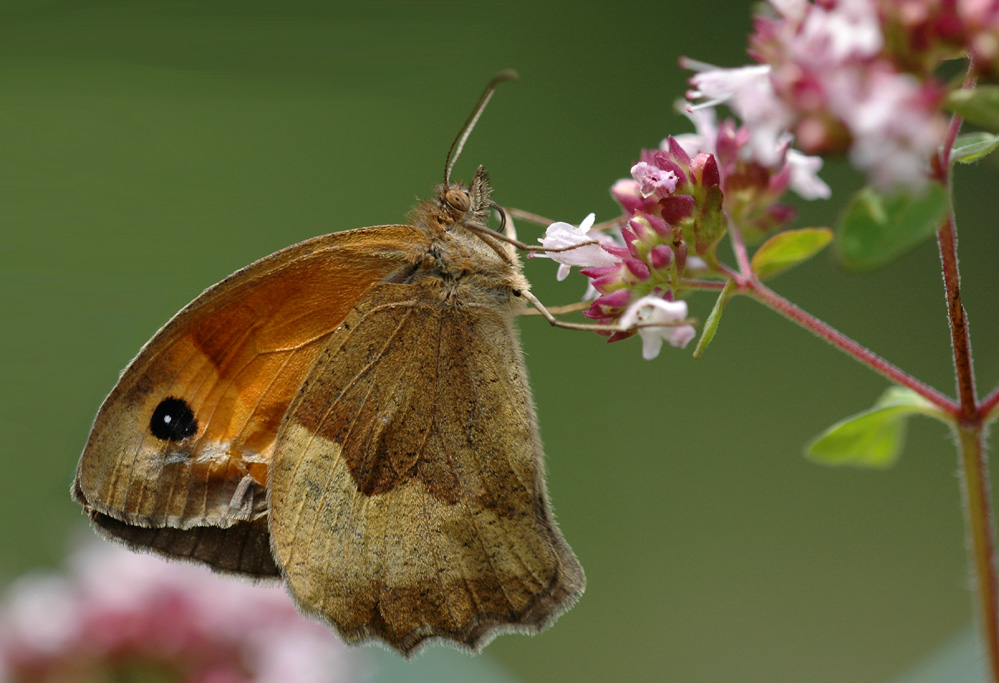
711, 325
979, 106
873, 438
971, 147
787, 249
876, 229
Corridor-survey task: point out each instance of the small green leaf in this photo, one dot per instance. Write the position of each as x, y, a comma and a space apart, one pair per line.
711, 324
971, 147
979, 106
787, 249
873, 438
876, 229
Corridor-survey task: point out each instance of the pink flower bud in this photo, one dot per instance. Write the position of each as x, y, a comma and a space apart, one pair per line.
677, 152
678, 208
626, 192
638, 268
661, 256
705, 169
615, 300
662, 160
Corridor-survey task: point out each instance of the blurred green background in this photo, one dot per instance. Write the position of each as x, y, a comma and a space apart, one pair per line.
148, 149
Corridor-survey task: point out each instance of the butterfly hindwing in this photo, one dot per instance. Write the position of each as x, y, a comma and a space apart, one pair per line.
407, 493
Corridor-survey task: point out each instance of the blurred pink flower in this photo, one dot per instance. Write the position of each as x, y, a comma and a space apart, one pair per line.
123, 614
750, 94
825, 76
922, 33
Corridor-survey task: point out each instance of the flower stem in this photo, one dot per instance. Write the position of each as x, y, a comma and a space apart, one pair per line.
978, 514
739, 247
970, 431
988, 404
749, 283
960, 339
971, 414
824, 331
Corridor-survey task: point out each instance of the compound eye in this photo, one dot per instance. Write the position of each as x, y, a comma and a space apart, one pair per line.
458, 199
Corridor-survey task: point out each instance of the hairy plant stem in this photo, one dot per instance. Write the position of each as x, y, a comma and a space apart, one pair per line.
974, 464
978, 515
750, 285
770, 298
972, 415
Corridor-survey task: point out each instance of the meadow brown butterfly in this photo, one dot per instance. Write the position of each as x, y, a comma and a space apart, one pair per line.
352, 415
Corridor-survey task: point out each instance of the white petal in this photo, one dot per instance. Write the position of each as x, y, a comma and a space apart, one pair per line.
561, 235
652, 344
805, 180
652, 309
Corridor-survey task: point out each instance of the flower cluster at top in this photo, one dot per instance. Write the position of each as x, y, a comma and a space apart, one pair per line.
833, 76
855, 76
125, 616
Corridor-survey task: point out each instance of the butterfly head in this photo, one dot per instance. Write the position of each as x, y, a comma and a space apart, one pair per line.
456, 204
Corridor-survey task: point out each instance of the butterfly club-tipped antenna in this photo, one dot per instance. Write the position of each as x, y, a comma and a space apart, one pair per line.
466, 130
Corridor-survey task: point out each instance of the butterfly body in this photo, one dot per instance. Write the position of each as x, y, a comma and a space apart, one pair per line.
352, 415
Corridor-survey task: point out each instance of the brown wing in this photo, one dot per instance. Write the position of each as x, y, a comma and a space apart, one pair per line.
183, 443
407, 494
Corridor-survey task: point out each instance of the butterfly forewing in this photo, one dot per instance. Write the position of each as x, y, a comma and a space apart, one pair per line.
407, 494
185, 438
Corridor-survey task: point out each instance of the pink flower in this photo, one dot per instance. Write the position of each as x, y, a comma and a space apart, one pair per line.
627, 193
896, 127
839, 32
922, 33
769, 148
119, 613
826, 76
653, 180
750, 94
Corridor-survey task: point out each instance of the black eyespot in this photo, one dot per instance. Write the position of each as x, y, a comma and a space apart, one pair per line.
173, 420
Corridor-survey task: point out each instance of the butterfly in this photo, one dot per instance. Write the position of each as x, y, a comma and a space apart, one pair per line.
350, 415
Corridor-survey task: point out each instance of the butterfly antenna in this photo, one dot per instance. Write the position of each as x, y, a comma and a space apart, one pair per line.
466, 130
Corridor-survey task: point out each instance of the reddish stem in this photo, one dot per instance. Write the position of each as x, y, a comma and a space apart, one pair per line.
960, 339
747, 282
714, 285
970, 429
988, 404
977, 506
849, 346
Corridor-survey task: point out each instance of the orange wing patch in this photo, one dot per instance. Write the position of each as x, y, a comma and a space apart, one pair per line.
185, 438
